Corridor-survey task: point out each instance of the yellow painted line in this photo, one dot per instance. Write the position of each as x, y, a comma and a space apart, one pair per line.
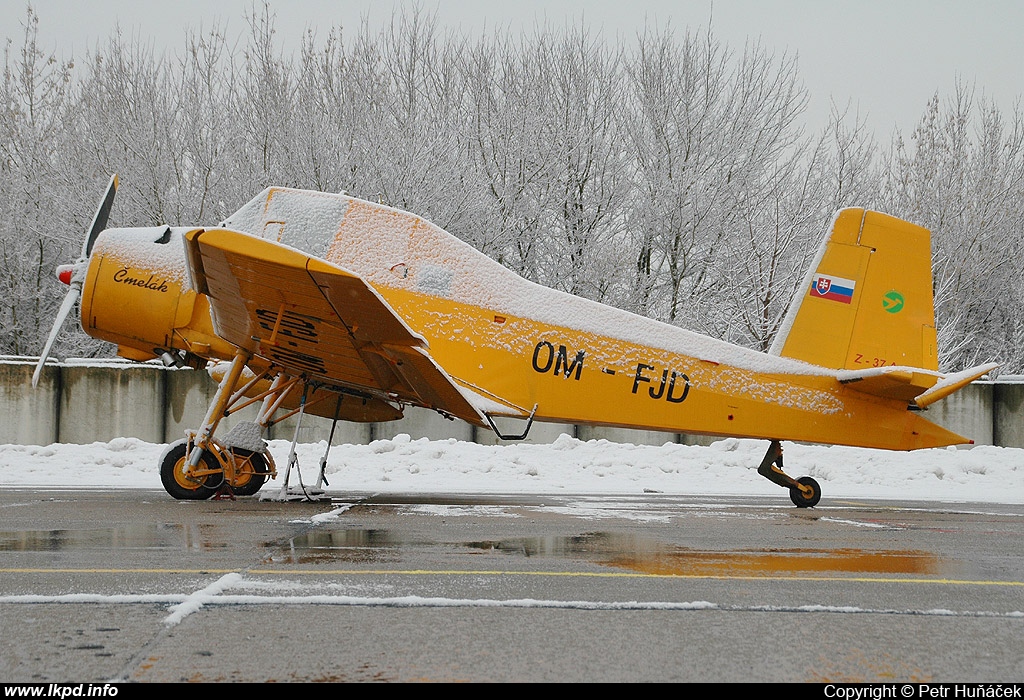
487, 572
118, 571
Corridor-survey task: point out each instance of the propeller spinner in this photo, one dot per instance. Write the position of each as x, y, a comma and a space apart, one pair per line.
74, 275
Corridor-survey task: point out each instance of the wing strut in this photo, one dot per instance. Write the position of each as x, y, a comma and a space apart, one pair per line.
321, 480
293, 459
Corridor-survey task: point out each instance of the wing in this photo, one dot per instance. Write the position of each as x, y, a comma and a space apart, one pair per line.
316, 319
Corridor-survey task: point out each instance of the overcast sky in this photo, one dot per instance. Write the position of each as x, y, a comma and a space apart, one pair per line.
883, 57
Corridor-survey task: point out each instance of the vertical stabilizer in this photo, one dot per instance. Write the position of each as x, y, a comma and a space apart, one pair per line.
867, 299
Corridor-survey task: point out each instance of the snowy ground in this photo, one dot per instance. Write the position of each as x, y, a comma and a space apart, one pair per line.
728, 467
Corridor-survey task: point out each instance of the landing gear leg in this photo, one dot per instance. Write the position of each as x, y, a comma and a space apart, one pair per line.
804, 492
191, 469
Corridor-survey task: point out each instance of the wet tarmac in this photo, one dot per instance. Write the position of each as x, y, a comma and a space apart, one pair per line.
134, 586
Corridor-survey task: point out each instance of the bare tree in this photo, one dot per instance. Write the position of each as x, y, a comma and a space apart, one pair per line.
966, 187
587, 167
779, 223
670, 176
710, 138
504, 138
325, 132
413, 155
262, 105
37, 231
675, 127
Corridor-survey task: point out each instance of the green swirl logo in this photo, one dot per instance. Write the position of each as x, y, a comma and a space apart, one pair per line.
892, 302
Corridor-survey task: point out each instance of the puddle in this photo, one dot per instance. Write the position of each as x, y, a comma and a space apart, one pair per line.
651, 557
351, 546
626, 552
147, 536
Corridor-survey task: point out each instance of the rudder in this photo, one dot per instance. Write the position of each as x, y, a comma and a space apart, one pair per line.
867, 299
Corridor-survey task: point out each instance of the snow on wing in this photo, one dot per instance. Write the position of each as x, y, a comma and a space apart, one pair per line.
314, 318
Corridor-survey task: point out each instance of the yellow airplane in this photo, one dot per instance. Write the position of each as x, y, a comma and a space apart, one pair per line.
330, 305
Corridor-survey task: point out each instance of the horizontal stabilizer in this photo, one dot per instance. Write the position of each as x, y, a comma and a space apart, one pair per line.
903, 383
951, 383
923, 387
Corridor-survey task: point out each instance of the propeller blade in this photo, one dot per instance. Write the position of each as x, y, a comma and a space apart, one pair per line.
99, 221
65, 309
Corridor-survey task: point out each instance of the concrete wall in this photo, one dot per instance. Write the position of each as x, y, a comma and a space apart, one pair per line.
968, 412
98, 404
626, 435
1008, 411
28, 416
88, 401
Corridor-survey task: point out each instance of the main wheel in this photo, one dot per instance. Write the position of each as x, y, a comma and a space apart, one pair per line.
182, 486
253, 474
802, 500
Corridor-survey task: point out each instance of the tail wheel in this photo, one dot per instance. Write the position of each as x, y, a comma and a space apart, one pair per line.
184, 486
251, 474
803, 500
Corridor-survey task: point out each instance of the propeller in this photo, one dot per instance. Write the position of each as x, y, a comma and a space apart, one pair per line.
74, 275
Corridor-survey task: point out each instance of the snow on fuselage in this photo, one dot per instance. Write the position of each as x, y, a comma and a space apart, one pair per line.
523, 345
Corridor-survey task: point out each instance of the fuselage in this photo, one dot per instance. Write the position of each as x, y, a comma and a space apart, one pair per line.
578, 361
515, 346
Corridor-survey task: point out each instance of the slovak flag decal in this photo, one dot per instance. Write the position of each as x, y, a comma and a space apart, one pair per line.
834, 288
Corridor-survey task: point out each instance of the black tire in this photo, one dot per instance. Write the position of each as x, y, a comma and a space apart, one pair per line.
248, 483
172, 475
800, 500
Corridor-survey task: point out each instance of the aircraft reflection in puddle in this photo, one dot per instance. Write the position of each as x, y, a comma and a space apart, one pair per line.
629, 552
623, 551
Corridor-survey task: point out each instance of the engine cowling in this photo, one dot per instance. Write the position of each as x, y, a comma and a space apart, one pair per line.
137, 294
